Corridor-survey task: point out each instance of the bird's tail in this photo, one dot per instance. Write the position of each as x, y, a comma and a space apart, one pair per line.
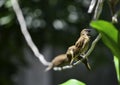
87, 64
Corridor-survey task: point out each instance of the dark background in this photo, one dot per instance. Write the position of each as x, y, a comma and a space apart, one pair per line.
54, 25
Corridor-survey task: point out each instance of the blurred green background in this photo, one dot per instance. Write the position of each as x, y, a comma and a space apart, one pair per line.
54, 25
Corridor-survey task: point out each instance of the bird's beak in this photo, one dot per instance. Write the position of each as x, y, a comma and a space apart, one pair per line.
88, 32
91, 32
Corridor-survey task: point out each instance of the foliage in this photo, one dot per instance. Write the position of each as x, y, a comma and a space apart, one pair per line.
111, 38
73, 82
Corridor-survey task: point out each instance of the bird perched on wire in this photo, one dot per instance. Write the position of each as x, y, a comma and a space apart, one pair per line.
74, 55
83, 41
59, 61
81, 46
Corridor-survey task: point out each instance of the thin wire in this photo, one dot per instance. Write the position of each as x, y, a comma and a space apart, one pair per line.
26, 34
91, 49
98, 9
92, 5
84, 57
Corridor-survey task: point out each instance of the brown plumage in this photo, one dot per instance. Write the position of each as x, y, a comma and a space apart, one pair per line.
81, 46
59, 61
83, 41
73, 54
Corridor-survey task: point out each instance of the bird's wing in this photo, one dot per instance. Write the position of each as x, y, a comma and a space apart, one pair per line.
80, 43
85, 42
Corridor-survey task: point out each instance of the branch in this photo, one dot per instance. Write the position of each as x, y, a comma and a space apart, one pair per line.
92, 5
25, 32
115, 16
98, 9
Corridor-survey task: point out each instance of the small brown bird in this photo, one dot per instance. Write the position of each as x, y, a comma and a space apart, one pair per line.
74, 52
83, 41
59, 61
74, 55
81, 46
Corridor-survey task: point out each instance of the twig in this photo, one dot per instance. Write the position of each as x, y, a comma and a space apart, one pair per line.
98, 9
63, 68
25, 32
92, 5
115, 16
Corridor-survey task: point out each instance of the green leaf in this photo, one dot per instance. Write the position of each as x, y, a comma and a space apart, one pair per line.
110, 35
116, 61
111, 38
73, 82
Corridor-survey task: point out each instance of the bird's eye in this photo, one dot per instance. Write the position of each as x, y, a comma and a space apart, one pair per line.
89, 30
